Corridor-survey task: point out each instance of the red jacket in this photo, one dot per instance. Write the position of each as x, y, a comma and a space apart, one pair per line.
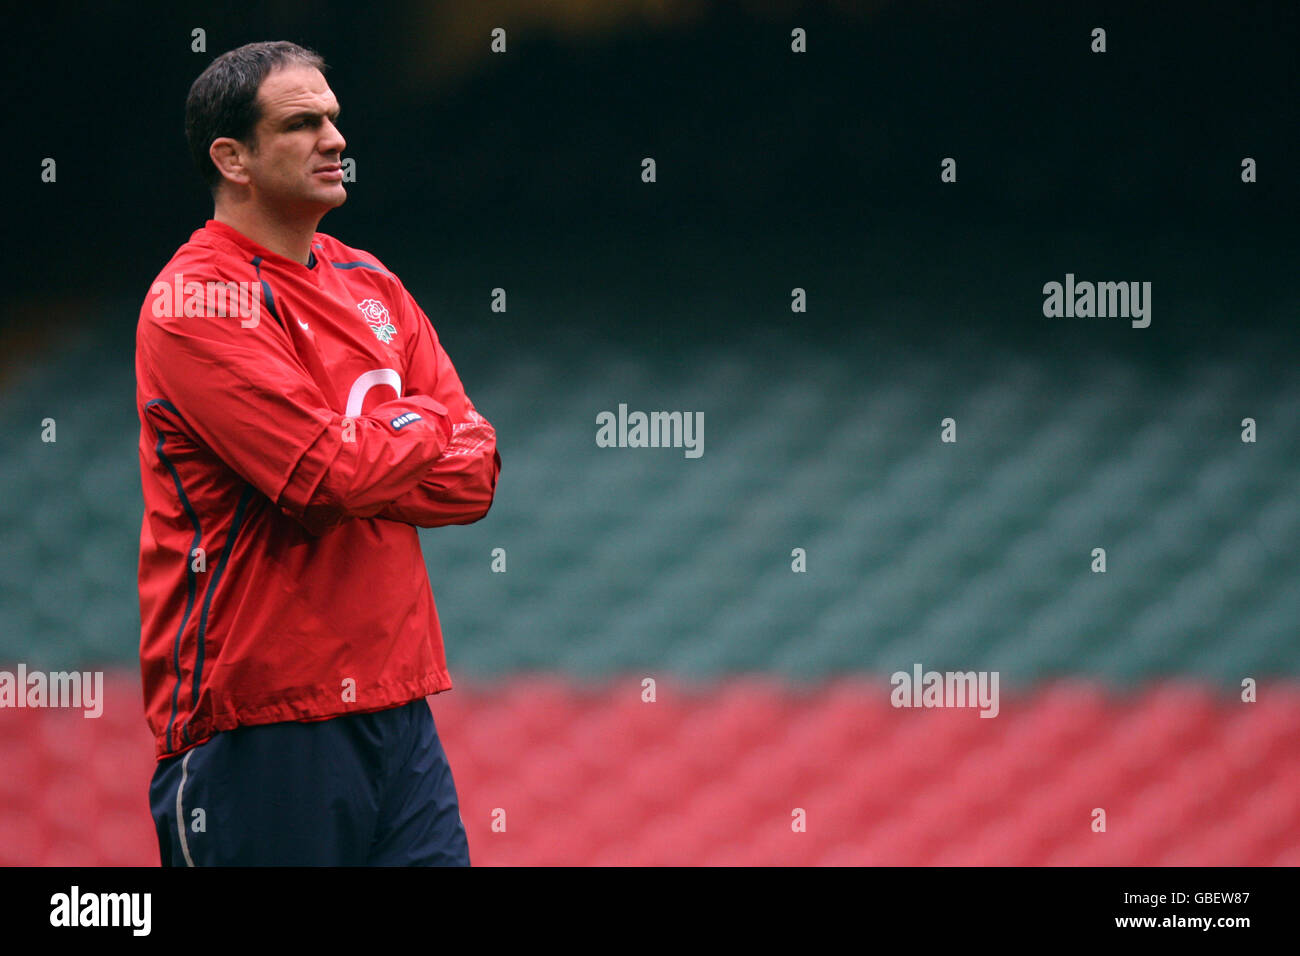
296, 425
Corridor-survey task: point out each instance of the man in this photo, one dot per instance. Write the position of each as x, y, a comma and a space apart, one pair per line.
299, 420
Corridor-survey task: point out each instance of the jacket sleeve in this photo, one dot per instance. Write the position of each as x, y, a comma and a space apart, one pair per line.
460, 485
240, 390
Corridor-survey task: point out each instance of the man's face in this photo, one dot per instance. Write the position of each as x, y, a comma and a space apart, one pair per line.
296, 163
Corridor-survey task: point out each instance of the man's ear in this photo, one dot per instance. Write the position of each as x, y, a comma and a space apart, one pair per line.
227, 155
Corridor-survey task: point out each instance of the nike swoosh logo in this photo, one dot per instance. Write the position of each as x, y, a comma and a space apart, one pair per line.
303, 324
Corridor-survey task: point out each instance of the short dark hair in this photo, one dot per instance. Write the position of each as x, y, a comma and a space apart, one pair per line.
223, 100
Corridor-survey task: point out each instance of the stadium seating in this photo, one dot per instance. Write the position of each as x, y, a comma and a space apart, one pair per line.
1120, 690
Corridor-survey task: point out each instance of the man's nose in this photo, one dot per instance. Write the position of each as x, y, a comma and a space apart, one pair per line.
332, 140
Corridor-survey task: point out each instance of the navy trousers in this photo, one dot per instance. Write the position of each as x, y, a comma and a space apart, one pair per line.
357, 790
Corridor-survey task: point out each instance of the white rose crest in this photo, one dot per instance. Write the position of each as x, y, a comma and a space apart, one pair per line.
377, 316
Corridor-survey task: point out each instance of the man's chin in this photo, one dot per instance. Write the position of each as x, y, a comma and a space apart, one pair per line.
329, 198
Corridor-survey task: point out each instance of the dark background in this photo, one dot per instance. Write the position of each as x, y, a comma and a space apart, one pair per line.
526, 166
